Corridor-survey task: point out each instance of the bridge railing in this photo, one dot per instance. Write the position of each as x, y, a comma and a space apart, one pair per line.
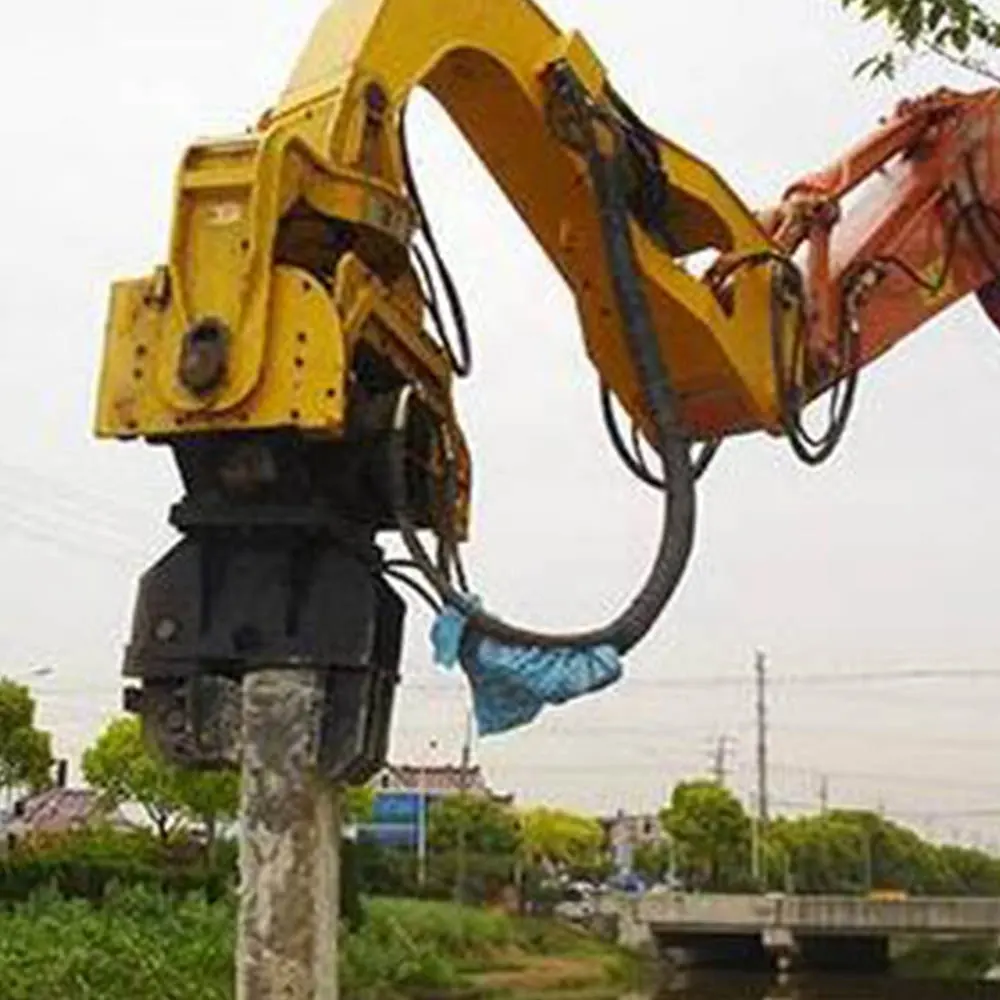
822, 914
828, 913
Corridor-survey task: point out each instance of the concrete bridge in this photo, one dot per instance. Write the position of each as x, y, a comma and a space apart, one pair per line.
826, 931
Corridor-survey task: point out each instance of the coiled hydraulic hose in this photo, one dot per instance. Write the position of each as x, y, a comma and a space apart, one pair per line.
677, 535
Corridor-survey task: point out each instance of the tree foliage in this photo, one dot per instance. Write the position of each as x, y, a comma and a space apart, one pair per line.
487, 826
841, 851
209, 797
124, 769
653, 861
359, 803
959, 30
711, 834
25, 751
857, 852
562, 839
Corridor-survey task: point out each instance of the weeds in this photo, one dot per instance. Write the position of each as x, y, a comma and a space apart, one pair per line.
142, 943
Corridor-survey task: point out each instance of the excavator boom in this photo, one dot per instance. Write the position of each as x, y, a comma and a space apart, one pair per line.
924, 234
319, 189
292, 351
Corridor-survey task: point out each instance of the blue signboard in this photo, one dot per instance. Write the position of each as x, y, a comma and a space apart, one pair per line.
388, 835
396, 807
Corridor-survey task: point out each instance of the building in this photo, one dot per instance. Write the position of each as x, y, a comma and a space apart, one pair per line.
626, 833
642, 830
403, 794
55, 810
435, 781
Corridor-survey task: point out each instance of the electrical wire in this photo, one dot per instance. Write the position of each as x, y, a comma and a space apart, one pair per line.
429, 296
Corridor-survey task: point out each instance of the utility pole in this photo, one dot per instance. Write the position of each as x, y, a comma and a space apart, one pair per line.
462, 867
422, 824
760, 669
866, 845
720, 760
755, 852
758, 821
824, 795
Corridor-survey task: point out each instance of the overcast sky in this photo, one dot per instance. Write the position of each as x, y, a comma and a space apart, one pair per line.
884, 559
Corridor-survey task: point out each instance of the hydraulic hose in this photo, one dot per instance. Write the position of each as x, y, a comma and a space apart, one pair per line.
633, 460
608, 179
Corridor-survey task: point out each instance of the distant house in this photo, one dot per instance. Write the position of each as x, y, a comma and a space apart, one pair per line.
56, 810
641, 830
435, 781
625, 833
403, 793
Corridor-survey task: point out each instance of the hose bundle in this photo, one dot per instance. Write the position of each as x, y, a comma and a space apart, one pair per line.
609, 181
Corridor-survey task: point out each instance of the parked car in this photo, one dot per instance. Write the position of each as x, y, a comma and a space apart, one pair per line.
578, 903
629, 883
669, 883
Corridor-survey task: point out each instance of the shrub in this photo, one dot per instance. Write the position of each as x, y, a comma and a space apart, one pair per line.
85, 864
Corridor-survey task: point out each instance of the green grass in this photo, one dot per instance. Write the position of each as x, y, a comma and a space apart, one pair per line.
408, 945
141, 943
965, 960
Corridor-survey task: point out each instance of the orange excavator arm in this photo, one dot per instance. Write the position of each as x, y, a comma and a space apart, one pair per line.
924, 232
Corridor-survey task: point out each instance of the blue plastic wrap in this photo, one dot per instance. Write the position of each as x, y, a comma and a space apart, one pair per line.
512, 684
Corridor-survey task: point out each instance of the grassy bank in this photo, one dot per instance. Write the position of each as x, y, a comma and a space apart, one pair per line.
964, 959
143, 944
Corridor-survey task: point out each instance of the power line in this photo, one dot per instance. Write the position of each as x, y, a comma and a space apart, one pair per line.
893, 734
672, 734
59, 489
658, 731
939, 782
799, 680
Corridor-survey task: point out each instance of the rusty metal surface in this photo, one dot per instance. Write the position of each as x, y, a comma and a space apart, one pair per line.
289, 847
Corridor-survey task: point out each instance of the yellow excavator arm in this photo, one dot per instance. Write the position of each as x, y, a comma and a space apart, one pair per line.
290, 247
292, 352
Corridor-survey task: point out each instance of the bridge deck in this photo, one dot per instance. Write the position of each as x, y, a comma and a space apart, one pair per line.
821, 915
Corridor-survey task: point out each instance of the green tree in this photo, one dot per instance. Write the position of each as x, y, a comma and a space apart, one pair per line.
816, 854
710, 832
841, 851
25, 751
562, 839
208, 797
123, 768
971, 872
856, 851
488, 826
653, 861
359, 802
960, 31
